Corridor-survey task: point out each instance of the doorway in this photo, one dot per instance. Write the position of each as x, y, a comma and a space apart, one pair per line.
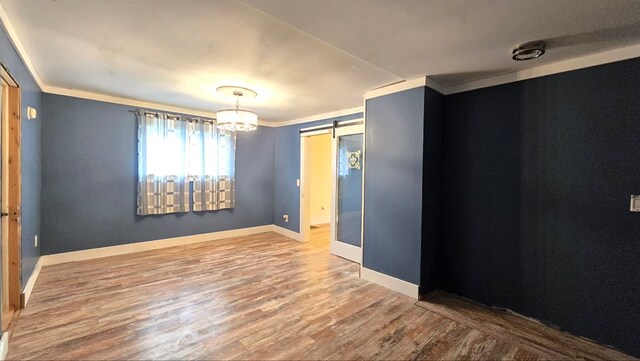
10, 196
319, 175
331, 177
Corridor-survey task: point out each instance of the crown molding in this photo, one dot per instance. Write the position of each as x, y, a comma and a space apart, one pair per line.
322, 116
586, 61
17, 44
424, 81
170, 108
125, 101
600, 58
604, 57
396, 87
431, 83
22, 53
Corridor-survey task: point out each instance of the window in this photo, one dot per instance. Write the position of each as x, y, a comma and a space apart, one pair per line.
172, 152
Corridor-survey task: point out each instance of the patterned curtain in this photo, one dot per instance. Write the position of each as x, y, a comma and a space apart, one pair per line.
162, 164
214, 174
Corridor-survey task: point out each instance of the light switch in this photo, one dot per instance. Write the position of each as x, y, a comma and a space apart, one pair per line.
298, 182
635, 204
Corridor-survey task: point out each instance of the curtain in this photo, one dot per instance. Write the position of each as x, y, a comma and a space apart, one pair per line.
162, 164
212, 167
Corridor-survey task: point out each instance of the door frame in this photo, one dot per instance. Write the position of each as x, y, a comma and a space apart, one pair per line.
11, 196
336, 247
305, 184
303, 181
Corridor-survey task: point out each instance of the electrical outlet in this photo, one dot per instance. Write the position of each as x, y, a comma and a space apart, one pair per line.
36, 240
286, 218
635, 204
298, 182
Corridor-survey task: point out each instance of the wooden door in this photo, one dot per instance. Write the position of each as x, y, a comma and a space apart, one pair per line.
10, 197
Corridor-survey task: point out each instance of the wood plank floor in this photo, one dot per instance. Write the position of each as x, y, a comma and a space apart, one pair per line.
320, 235
256, 297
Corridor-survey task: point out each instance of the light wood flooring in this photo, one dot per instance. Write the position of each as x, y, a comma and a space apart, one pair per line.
320, 236
260, 297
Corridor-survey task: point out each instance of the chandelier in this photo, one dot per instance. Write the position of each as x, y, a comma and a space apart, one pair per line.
237, 119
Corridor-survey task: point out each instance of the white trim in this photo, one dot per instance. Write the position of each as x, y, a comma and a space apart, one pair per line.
317, 117
396, 87
17, 44
305, 187
101, 252
605, 57
345, 250
28, 288
392, 283
75, 93
7, 78
94, 253
126, 101
4, 346
431, 83
406, 85
364, 174
586, 61
22, 53
305, 214
286, 232
337, 247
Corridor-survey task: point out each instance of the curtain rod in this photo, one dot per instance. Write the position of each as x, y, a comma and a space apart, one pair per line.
175, 117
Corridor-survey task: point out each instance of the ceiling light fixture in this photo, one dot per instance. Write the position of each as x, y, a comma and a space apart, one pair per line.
237, 119
528, 51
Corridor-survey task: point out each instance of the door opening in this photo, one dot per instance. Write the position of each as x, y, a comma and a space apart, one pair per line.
331, 176
319, 190
315, 187
10, 197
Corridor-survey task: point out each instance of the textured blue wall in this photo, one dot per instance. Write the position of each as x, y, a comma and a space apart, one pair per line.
536, 215
89, 177
393, 184
431, 189
287, 171
31, 95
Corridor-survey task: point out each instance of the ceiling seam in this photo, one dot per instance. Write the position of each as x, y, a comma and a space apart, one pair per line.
322, 41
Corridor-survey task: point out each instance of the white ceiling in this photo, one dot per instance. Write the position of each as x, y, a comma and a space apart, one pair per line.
303, 57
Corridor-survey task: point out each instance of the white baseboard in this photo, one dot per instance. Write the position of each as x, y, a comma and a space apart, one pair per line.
94, 253
4, 346
286, 232
32, 281
392, 283
347, 251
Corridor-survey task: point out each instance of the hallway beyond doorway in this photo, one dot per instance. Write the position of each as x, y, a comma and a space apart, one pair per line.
320, 235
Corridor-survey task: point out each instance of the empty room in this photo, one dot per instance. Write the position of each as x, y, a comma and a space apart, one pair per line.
320, 179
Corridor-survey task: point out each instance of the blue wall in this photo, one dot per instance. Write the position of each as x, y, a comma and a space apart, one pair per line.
30, 93
287, 171
431, 189
536, 215
95, 141
89, 180
393, 184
